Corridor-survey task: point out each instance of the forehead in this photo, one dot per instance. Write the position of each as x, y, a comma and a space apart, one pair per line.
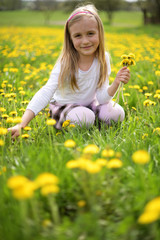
84, 24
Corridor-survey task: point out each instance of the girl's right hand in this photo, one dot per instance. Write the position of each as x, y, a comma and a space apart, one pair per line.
15, 131
123, 75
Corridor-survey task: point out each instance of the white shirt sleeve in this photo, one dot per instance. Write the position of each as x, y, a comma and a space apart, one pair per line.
44, 95
102, 93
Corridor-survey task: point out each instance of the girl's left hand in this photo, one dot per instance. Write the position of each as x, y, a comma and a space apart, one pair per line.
123, 76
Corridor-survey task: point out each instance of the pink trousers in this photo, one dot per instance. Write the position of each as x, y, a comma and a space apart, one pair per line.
82, 115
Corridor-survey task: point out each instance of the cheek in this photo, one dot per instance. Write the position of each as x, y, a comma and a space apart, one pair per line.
75, 43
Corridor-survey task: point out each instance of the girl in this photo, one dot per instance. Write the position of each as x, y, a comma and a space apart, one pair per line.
78, 88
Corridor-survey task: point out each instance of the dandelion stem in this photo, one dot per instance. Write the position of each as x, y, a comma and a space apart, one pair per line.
54, 209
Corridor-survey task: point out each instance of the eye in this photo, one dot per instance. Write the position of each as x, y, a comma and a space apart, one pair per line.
77, 35
91, 33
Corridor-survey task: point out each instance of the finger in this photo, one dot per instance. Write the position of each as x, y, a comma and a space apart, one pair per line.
15, 135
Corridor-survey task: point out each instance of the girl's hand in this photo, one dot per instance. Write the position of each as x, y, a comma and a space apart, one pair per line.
123, 76
15, 131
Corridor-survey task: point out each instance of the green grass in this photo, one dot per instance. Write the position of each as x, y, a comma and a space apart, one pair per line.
37, 18
114, 198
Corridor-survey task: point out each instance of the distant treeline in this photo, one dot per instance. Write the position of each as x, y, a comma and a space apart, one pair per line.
150, 8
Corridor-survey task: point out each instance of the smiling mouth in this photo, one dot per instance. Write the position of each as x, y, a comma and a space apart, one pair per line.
86, 47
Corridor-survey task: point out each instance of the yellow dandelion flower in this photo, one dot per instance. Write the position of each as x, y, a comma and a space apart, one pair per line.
72, 126
51, 122
101, 161
20, 88
91, 149
27, 128
157, 73
148, 94
153, 205
25, 191
1, 143
150, 83
149, 103
46, 179
118, 154
83, 162
48, 189
131, 55
25, 136
4, 169
92, 167
22, 109
114, 163
3, 131
148, 217
134, 108
58, 133
22, 92
72, 164
81, 203
25, 102
124, 56
2, 109
132, 62
144, 135
157, 96
69, 143
157, 130
136, 87
5, 116
127, 94
124, 62
9, 120
141, 157
13, 113
17, 120
107, 153
145, 88
66, 123
16, 181
46, 223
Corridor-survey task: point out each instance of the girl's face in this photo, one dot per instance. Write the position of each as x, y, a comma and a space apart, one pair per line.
85, 36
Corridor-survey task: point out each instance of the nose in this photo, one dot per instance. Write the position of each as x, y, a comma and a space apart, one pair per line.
85, 40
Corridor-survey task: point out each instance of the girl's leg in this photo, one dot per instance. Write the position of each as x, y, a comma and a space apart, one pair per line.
81, 116
109, 112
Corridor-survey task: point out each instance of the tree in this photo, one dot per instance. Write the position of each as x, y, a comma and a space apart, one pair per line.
47, 7
151, 10
109, 6
10, 4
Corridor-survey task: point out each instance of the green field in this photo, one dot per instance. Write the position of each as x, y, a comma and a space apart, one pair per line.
103, 185
37, 18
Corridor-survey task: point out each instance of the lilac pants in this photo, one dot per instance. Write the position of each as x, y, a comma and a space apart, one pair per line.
82, 115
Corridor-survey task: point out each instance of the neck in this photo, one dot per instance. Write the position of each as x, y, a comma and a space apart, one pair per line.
85, 62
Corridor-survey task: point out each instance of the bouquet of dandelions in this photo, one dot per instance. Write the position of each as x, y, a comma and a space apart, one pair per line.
127, 60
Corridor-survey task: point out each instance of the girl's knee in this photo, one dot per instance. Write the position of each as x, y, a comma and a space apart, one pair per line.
121, 113
81, 116
113, 112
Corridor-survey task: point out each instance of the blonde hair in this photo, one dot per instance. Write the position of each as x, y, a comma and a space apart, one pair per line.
69, 56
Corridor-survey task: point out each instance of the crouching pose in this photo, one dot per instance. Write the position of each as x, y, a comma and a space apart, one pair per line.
78, 88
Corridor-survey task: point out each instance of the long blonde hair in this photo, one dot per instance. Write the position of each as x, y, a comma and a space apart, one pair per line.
69, 56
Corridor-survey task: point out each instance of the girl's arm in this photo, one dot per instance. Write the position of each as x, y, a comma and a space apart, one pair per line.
106, 92
27, 117
122, 76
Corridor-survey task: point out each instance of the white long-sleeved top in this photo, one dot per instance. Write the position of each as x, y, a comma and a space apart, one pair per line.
87, 82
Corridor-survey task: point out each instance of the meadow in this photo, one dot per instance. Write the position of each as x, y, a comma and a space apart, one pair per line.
100, 183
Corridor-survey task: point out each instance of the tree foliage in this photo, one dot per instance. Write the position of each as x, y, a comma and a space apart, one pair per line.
151, 10
109, 6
